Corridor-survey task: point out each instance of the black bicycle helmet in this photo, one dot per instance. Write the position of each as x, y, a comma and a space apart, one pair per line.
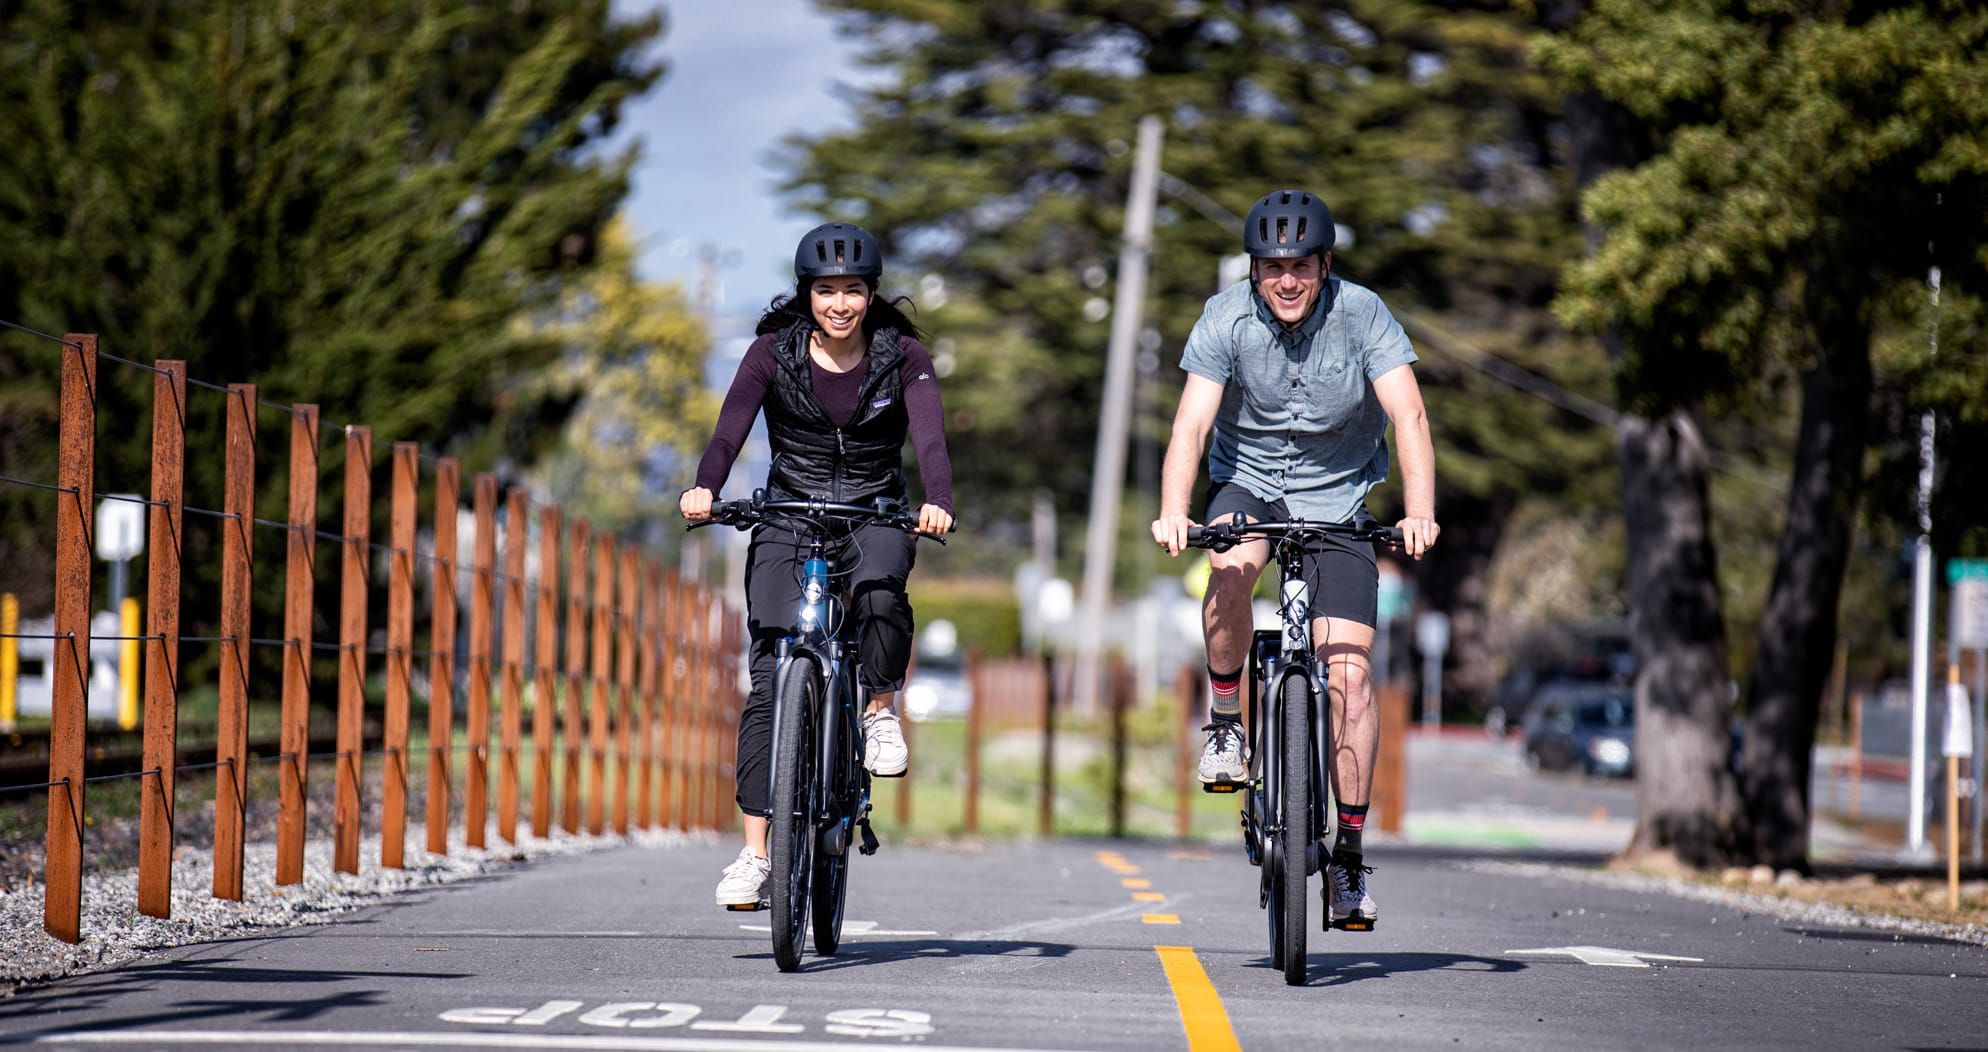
836, 250
1288, 224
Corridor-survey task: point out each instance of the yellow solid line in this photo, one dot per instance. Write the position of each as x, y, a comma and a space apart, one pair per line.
1135, 882
1148, 896
1201, 1013
1161, 918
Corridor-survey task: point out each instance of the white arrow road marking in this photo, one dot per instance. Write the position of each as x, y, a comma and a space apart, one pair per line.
849, 927
1603, 957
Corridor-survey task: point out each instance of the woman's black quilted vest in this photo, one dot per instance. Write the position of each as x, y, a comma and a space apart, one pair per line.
814, 458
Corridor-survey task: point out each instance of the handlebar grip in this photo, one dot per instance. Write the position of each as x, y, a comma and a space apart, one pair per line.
1195, 534
1390, 536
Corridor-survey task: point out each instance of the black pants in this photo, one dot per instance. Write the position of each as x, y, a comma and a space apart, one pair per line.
1343, 574
874, 562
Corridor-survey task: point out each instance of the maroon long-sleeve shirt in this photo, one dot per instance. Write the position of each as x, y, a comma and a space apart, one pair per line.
838, 393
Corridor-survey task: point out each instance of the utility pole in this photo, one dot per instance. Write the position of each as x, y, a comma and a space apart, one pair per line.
1922, 605
1114, 418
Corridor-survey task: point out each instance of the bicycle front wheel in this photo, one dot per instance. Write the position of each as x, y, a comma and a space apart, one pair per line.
792, 836
1295, 796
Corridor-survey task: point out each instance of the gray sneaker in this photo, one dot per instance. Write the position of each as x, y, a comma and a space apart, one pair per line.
743, 887
1224, 758
1351, 909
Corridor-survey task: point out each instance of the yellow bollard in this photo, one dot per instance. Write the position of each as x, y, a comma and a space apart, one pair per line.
127, 665
10, 659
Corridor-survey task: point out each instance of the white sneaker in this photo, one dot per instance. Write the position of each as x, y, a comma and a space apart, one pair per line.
743, 887
1352, 909
884, 751
1223, 758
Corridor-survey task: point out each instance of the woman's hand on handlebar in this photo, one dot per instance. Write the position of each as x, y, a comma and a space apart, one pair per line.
1170, 531
695, 504
934, 520
1418, 535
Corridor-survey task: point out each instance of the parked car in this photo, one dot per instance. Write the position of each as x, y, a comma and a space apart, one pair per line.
1592, 731
937, 688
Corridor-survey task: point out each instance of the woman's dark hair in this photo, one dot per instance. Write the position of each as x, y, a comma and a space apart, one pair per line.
789, 308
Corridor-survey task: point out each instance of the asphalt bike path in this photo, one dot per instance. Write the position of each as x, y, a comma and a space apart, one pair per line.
1060, 945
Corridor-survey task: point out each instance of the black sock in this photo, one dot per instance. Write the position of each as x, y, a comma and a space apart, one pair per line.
1352, 821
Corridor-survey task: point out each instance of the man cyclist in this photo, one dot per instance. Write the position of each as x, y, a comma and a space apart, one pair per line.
1297, 375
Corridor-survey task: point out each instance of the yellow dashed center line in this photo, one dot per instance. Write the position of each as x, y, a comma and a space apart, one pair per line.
1201, 1013
1161, 918
1135, 882
1148, 896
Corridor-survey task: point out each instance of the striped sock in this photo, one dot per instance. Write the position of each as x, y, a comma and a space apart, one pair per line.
1225, 693
1352, 820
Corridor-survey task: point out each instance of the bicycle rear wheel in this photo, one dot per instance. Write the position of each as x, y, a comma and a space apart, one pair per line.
792, 836
1295, 794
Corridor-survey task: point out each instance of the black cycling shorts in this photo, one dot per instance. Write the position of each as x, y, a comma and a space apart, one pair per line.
1341, 572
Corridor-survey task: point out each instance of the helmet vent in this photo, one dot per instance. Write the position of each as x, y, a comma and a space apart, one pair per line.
821, 251
1301, 229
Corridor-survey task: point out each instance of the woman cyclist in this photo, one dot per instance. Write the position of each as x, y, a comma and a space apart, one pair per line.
842, 377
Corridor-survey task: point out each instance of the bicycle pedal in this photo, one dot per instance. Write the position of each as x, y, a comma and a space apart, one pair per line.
1222, 787
1354, 924
869, 843
899, 774
737, 907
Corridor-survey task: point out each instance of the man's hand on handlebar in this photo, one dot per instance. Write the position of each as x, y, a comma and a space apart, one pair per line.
934, 520
1171, 532
695, 504
1418, 535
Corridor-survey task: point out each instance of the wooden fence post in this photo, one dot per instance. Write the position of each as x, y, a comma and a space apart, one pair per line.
75, 518
545, 665
442, 653
1045, 811
642, 578
598, 714
976, 685
237, 569
1188, 687
299, 584
516, 535
1391, 765
624, 681
576, 667
356, 567
400, 653
483, 571
162, 596
670, 689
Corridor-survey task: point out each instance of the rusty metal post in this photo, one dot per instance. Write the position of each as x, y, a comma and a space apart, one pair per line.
576, 670
545, 664
75, 518
299, 585
237, 568
976, 685
624, 681
162, 597
598, 714
476, 798
442, 653
702, 708
400, 653
1045, 811
1188, 687
356, 567
692, 750
516, 534
728, 726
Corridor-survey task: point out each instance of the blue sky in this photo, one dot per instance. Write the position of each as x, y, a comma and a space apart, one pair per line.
742, 74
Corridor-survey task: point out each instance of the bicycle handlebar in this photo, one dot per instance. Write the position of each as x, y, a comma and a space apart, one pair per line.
1223, 536
743, 514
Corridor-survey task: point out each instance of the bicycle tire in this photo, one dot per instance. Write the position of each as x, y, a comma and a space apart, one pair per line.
792, 836
831, 876
1295, 791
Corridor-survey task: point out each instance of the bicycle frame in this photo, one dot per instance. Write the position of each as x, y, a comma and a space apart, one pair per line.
842, 695
1281, 653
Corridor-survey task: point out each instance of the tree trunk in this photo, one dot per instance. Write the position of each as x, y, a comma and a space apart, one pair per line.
1687, 800
1798, 627
1454, 578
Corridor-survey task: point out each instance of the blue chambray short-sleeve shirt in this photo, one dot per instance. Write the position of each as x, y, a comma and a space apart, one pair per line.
1299, 420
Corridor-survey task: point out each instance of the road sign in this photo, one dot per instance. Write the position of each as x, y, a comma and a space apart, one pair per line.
1959, 737
1970, 611
1432, 632
120, 529
1959, 570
